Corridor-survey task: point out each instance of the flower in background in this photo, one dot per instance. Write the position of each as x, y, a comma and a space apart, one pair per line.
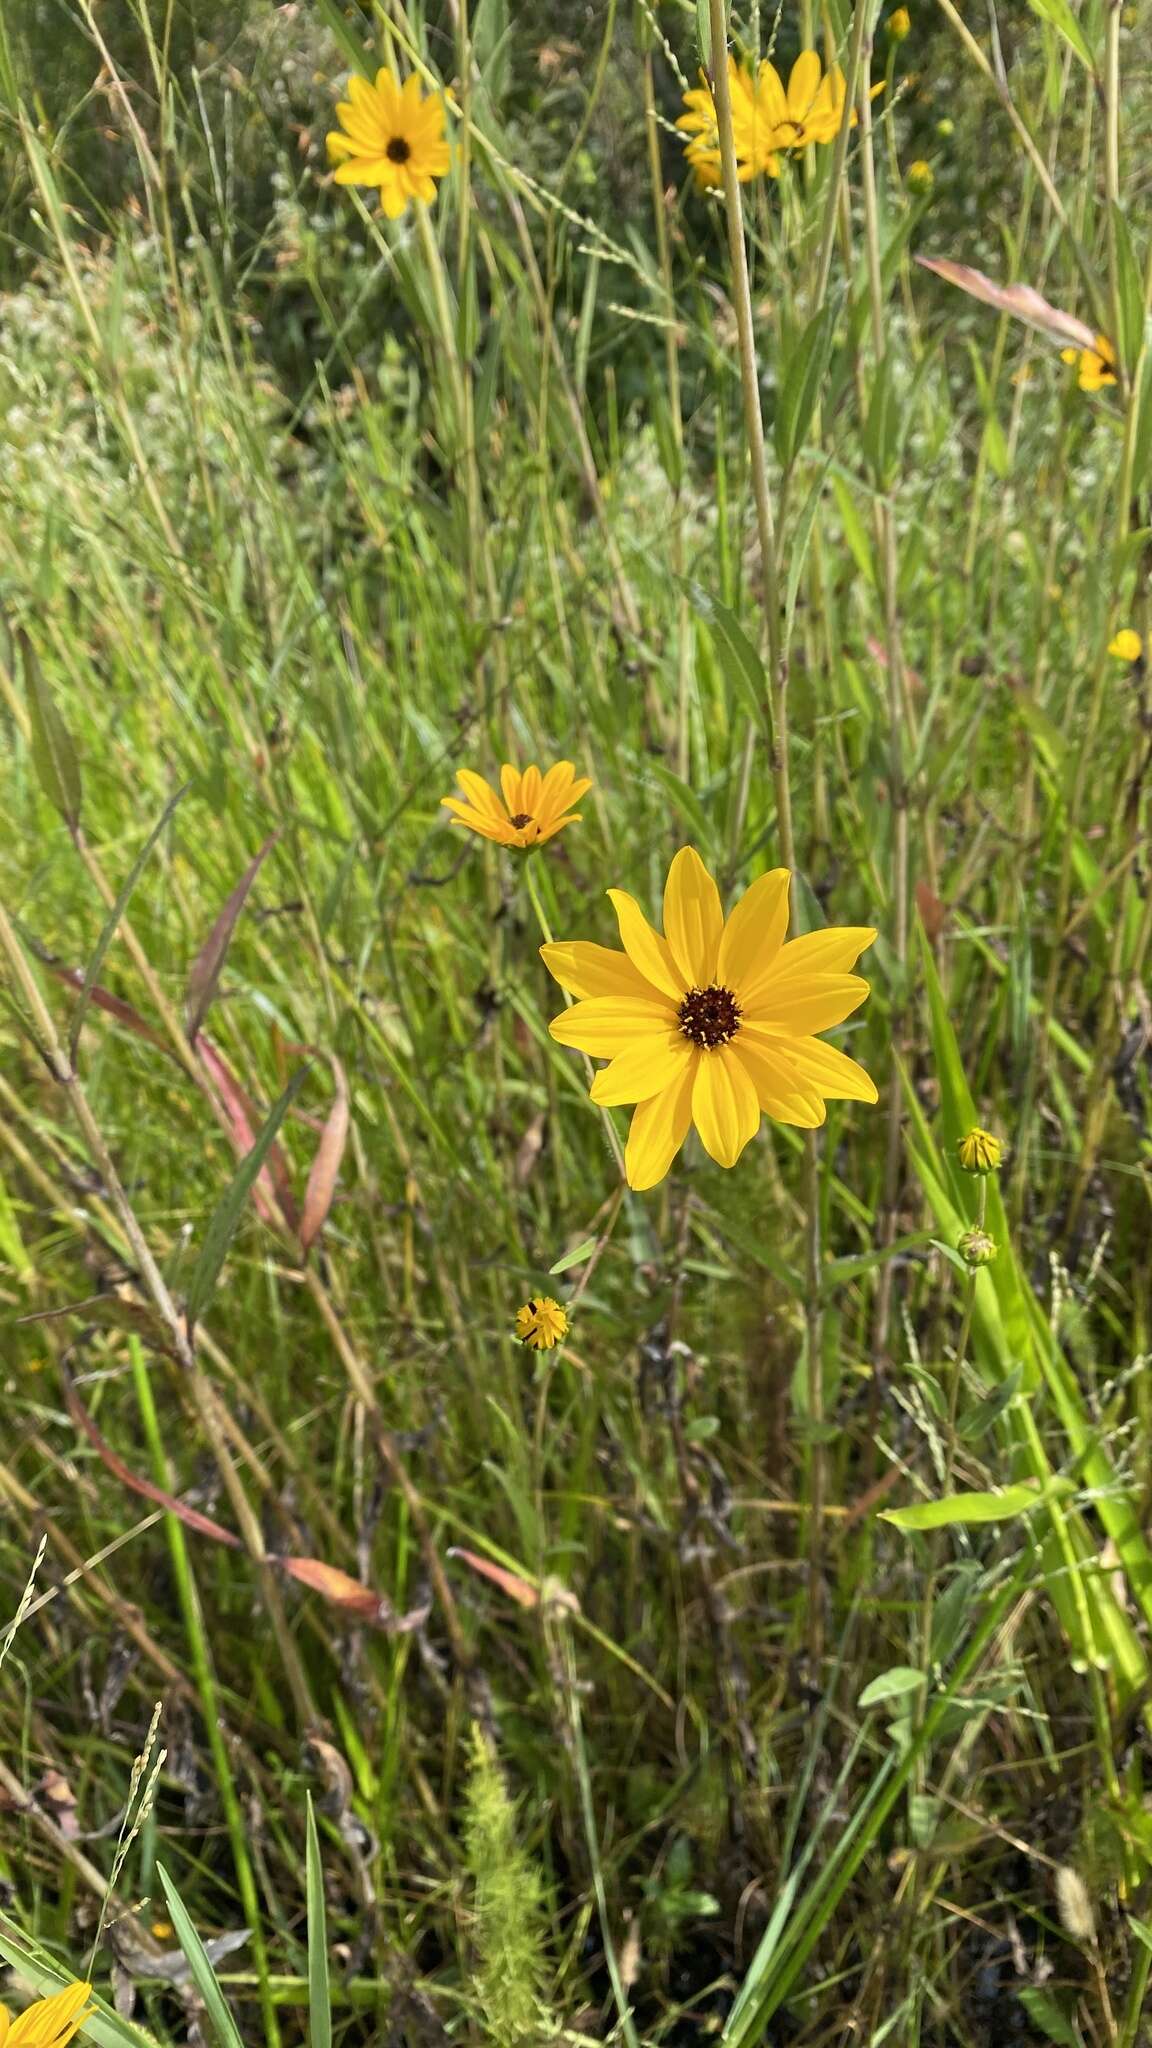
812, 108
979, 1151
1126, 645
541, 1323
48, 2022
534, 806
391, 136
921, 176
1097, 365
899, 26
751, 130
713, 1023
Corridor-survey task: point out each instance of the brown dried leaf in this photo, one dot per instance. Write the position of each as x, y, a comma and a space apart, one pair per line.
103, 999
191, 1517
204, 979
326, 1165
933, 914
1021, 300
517, 1589
350, 1595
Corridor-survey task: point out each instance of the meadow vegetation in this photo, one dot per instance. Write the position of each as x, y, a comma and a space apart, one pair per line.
770, 1658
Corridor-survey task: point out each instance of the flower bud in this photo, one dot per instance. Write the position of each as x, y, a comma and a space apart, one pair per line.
921, 176
979, 1151
899, 25
976, 1248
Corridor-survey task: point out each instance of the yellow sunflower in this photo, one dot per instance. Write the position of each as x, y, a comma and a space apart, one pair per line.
714, 1022
812, 108
1097, 365
751, 130
535, 807
48, 2022
391, 136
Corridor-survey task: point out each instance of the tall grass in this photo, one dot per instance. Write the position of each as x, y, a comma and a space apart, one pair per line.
671, 1684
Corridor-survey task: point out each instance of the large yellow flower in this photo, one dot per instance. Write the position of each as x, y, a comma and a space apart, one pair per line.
535, 806
812, 108
714, 1022
391, 136
751, 130
48, 2022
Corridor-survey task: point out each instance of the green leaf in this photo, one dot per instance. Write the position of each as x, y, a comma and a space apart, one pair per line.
799, 544
576, 1256
986, 1413
203, 1975
882, 425
1129, 291
859, 545
1062, 19
686, 801
739, 661
1044, 2012
92, 972
319, 1997
894, 1684
53, 752
225, 1217
1142, 423
803, 381
964, 1508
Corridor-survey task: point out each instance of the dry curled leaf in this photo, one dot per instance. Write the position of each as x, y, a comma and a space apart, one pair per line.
1022, 301
204, 978
327, 1163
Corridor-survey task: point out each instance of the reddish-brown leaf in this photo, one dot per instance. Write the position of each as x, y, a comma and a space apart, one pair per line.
273, 1183
103, 999
113, 1312
933, 914
1021, 300
517, 1589
191, 1517
326, 1165
204, 979
350, 1595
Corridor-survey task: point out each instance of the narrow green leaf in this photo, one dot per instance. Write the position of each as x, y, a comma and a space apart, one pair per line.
319, 1997
53, 752
957, 1508
1062, 19
1043, 2010
576, 1256
893, 1684
225, 1217
203, 1975
739, 661
1142, 423
92, 972
802, 385
801, 540
1129, 291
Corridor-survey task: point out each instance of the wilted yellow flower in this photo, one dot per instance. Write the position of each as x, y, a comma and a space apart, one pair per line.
976, 1248
714, 1022
535, 806
1126, 645
541, 1323
751, 130
48, 2022
1097, 365
979, 1151
899, 25
921, 176
391, 136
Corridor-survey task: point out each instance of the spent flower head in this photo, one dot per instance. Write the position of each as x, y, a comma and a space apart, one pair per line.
531, 808
391, 136
714, 1023
541, 1323
979, 1151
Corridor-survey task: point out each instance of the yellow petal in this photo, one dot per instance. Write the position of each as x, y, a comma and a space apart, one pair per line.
798, 1007
693, 918
606, 1025
754, 932
479, 821
510, 781
587, 970
339, 148
360, 128
835, 951
831, 1071
554, 790
771, 95
725, 1110
393, 197
658, 1130
51, 2022
387, 93
362, 170
803, 85
645, 948
5, 2023
530, 787
779, 1090
544, 832
480, 792
644, 1070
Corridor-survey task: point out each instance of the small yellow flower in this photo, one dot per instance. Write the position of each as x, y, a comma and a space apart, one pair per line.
1126, 645
715, 1022
976, 1248
921, 176
535, 806
48, 2022
899, 26
541, 1323
391, 136
979, 1151
1097, 365
812, 109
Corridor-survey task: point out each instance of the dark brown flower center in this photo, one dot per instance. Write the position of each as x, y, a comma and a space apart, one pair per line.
521, 819
398, 151
709, 1016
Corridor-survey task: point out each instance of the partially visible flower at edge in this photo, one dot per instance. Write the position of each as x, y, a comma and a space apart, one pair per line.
1126, 644
541, 1323
534, 808
1097, 365
980, 1151
48, 2022
715, 1022
391, 136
